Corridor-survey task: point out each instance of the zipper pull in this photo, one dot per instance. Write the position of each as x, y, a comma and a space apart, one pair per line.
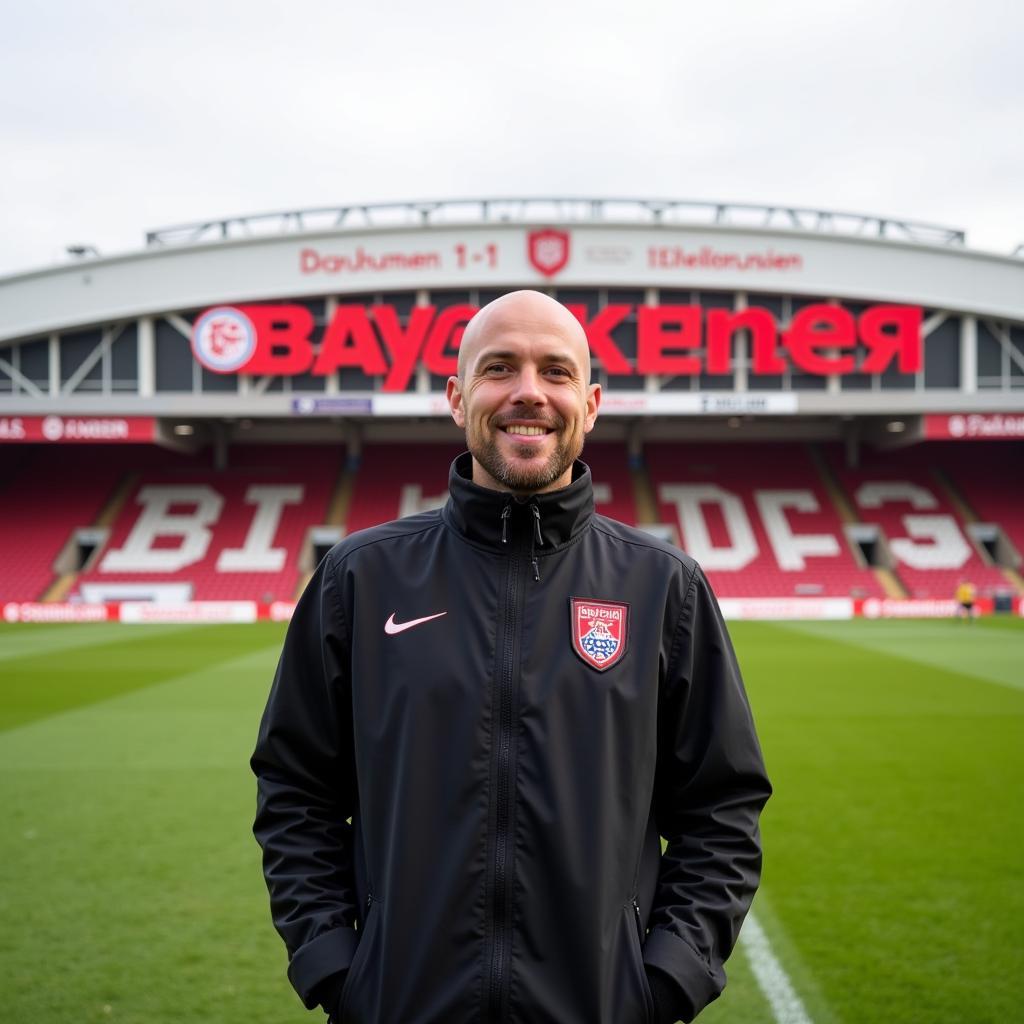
505, 513
536, 525
369, 901
536, 569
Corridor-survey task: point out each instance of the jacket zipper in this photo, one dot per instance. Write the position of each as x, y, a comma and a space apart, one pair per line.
501, 940
648, 1003
347, 987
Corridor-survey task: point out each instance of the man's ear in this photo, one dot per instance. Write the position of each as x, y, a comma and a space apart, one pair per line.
454, 394
593, 404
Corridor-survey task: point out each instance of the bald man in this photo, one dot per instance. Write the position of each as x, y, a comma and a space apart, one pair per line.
485, 720
523, 393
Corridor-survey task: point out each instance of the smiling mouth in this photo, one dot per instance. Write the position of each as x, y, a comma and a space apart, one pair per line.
518, 430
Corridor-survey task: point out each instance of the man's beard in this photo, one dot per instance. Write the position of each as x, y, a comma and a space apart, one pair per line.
533, 475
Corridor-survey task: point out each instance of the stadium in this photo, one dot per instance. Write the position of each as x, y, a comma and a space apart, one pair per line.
825, 409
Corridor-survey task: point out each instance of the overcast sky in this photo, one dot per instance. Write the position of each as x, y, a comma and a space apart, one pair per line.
118, 117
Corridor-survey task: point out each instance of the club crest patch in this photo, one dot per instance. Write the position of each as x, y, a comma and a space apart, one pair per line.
599, 631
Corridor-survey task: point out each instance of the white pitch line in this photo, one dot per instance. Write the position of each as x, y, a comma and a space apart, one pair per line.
786, 1005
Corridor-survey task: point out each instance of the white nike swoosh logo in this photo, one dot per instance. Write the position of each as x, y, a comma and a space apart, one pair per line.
391, 627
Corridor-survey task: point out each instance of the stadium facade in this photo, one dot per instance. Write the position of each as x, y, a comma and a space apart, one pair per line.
826, 409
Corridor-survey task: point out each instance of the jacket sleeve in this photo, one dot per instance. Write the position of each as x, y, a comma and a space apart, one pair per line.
306, 788
710, 786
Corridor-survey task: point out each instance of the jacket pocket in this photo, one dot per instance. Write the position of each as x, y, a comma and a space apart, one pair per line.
361, 958
636, 942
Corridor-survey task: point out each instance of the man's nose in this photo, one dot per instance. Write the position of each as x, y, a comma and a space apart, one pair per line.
528, 387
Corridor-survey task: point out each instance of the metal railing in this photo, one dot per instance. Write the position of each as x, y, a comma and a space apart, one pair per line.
442, 212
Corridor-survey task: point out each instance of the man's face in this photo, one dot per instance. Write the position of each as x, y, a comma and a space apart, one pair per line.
523, 395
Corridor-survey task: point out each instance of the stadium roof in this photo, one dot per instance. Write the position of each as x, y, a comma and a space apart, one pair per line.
563, 209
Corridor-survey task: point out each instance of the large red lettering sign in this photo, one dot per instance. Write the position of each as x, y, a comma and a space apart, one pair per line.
677, 340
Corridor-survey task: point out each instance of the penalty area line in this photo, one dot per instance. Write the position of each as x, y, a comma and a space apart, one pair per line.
786, 1006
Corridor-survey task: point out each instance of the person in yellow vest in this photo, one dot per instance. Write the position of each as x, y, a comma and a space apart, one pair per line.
965, 596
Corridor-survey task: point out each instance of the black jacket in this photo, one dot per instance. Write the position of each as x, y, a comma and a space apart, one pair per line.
507, 782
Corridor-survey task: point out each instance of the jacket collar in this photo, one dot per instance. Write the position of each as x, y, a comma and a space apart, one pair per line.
477, 512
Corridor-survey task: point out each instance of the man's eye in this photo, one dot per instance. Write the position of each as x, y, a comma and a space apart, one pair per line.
558, 371
496, 368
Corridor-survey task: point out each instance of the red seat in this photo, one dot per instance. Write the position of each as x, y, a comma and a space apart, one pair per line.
743, 477
898, 491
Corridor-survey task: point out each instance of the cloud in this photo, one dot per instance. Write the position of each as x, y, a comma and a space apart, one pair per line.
118, 117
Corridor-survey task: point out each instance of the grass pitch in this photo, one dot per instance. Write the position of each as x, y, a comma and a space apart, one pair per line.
894, 874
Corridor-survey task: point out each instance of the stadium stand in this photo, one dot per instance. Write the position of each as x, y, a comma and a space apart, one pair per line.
923, 529
614, 492
979, 476
758, 519
394, 480
216, 534
763, 518
47, 493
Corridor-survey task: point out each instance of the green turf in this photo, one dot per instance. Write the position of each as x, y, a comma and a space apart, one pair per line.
130, 886
893, 841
